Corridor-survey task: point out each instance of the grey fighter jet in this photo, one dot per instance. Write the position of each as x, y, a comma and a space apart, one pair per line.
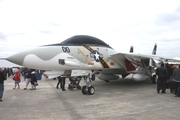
84, 55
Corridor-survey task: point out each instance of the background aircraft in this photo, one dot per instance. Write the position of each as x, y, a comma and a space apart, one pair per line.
84, 55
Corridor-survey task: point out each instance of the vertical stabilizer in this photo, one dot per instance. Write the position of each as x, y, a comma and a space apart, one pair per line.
151, 61
131, 49
154, 49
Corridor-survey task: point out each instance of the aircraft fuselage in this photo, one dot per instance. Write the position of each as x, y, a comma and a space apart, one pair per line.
67, 58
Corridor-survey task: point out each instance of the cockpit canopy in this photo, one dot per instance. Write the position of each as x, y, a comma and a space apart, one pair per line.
80, 40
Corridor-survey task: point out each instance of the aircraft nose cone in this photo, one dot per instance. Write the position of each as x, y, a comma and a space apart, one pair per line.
16, 58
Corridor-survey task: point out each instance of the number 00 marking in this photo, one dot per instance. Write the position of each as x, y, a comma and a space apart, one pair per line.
66, 49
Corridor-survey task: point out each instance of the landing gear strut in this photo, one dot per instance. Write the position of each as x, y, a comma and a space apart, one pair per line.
88, 88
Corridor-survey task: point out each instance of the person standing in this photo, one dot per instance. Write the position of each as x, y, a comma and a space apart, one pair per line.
162, 74
171, 82
59, 81
17, 79
23, 73
176, 76
63, 82
169, 69
27, 77
5, 73
2, 78
33, 80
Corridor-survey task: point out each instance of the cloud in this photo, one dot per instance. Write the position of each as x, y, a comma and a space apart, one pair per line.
54, 24
46, 31
31, 23
169, 18
178, 10
2, 36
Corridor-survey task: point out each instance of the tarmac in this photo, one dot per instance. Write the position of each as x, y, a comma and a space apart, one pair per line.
122, 99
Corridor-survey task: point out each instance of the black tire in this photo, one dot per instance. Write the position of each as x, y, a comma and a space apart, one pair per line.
80, 78
79, 87
93, 77
91, 90
70, 88
106, 80
84, 90
85, 78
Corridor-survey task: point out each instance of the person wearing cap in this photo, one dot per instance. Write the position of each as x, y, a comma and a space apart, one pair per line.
176, 76
2, 78
33, 80
162, 74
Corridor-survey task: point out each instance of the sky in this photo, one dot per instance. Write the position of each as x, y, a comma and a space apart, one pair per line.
26, 24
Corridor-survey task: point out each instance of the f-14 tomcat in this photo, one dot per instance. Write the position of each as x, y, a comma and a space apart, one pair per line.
83, 55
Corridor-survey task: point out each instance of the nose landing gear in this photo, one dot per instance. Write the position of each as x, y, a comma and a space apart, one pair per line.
88, 88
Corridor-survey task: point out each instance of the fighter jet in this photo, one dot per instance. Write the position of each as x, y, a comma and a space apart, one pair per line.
84, 55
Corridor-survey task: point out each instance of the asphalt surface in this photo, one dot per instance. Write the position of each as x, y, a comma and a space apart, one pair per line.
114, 100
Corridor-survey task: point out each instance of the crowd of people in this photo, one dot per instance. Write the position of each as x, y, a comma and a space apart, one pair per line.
168, 77
29, 75
16, 73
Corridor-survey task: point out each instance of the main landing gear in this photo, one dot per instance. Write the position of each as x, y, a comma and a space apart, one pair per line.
74, 83
88, 88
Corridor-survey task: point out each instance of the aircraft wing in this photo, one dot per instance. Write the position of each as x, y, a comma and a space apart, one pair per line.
138, 59
141, 56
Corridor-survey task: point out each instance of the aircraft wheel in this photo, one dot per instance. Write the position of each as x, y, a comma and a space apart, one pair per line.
70, 88
79, 87
85, 78
84, 90
80, 78
93, 77
91, 90
106, 80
